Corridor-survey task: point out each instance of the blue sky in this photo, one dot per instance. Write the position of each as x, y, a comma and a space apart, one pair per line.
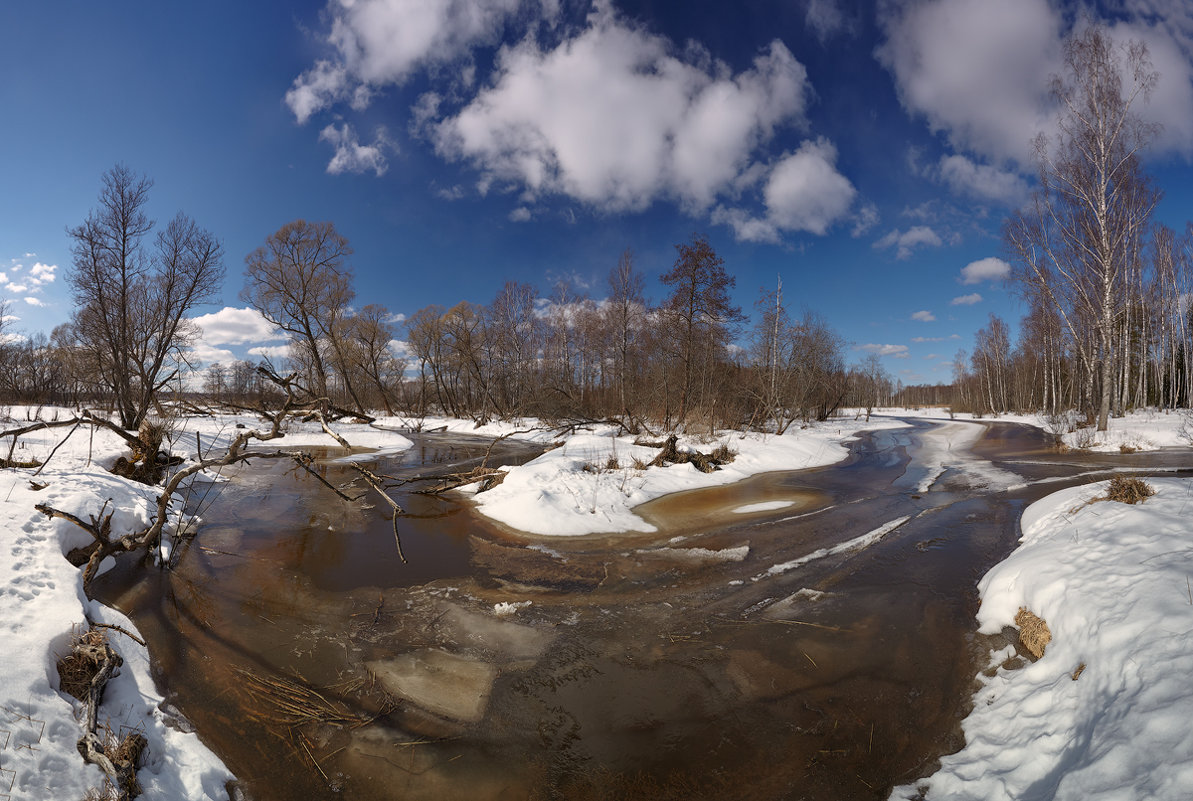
866, 153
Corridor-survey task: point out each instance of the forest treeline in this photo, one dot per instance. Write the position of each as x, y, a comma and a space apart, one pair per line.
563, 357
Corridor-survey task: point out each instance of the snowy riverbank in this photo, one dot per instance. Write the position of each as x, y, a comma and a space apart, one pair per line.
594, 479
1111, 580
1140, 430
1104, 713
43, 605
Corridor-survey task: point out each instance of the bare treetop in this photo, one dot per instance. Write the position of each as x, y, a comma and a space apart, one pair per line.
299, 281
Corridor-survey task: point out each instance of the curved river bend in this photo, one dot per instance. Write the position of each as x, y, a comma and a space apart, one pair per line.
818, 646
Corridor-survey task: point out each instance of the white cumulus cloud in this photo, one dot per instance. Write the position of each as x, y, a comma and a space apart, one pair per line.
905, 242
979, 71
351, 155
897, 351
204, 353
382, 42
924, 316
966, 300
804, 192
271, 351
42, 274
967, 177
614, 118
232, 326
989, 269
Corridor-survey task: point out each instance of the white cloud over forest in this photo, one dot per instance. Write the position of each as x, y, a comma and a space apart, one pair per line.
979, 72
896, 351
614, 118
232, 326
383, 42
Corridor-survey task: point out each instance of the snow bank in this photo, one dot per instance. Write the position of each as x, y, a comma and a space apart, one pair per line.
1143, 430
1112, 583
42, 604
591, 485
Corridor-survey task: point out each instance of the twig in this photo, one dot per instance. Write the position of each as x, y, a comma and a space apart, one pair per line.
304, 461
120, 629
56, 447
805, 623
374, 481
303, 740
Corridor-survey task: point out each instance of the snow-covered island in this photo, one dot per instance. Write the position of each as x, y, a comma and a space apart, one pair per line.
1101, 715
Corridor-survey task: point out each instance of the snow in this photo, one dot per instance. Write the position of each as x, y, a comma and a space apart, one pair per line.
947, 448
1112, 583
855, 544
507, 608
1140, 430
591, 485
764, 506
43, 605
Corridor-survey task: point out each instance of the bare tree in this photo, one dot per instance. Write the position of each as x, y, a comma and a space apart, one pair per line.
132, 305
1075, 245
365, 341
625, 314
699, 311
298, 280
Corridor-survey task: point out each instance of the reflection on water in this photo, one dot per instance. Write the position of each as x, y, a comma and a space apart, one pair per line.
633, 666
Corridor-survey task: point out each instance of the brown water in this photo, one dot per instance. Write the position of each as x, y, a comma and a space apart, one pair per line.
319, 666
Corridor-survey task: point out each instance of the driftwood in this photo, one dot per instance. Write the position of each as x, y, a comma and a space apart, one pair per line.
83, 417
85, 673
705, 463
489, 477
100, 527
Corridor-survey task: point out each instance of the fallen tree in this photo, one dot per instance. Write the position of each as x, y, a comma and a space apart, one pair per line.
298, 402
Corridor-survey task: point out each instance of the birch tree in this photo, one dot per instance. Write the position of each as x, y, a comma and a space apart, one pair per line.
1074, 245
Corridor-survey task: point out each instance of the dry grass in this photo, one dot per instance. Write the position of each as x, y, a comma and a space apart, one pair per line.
1033, 632
292, 703
77, 668
1128, 490
723, 454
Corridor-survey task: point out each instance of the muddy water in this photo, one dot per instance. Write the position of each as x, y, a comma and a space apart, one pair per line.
710, 660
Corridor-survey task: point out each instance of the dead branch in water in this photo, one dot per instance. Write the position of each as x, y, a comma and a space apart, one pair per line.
100, 528
374, 481
304, 460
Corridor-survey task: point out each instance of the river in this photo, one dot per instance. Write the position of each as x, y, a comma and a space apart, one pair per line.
771, 655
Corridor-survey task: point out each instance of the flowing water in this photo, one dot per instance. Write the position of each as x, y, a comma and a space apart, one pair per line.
771, 654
